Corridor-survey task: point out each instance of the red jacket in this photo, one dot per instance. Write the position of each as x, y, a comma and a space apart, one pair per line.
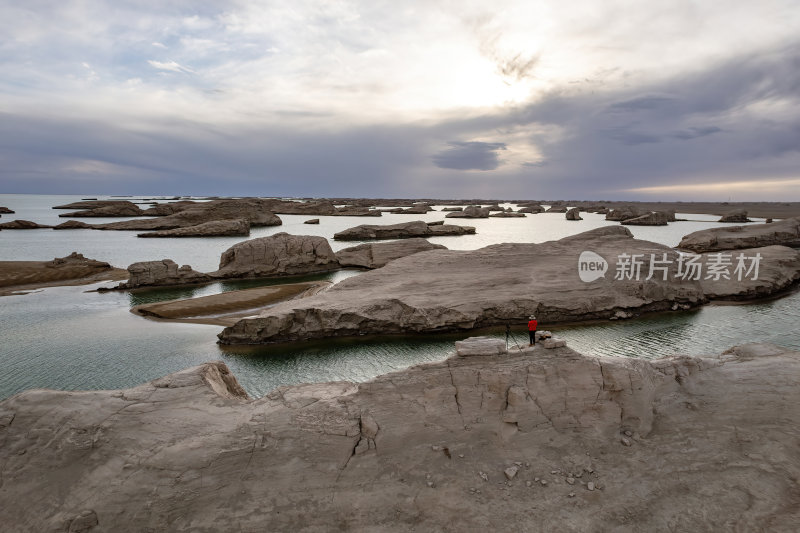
532, 325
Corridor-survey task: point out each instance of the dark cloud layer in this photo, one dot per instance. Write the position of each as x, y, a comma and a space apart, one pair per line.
470, 156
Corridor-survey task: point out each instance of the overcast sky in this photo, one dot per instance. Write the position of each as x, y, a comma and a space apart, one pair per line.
579, 99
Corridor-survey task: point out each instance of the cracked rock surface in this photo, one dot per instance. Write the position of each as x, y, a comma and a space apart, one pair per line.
530, 441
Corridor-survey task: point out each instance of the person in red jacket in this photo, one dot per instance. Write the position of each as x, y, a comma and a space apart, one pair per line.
532, 325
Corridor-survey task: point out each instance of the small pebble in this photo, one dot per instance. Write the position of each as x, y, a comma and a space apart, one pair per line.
625, 441
590, 486
431, 484
483, 476
461, 456
571, 481
571, 494
544, 483
528, 483
436, 448
628, 433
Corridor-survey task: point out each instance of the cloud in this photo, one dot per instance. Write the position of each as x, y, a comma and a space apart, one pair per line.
470, 156
171, 66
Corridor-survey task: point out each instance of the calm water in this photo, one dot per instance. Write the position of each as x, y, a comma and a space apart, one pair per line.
67, 338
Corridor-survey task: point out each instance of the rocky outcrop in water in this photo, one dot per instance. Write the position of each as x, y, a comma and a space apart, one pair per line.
23, 224
532, 209
471, 211
215, 228
6, 211
574, 214
277, 255
452, 290
405, 230
161, 273
622, 213
106, 209
376, 255
312, 221
654, 218
557, 209
445, 290
737, 216
507, 214
544, 438
73, 224
783, 232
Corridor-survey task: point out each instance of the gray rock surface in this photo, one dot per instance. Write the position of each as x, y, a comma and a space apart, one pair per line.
460, 290
376, 255
655, 218
626, 212
312, 221
6, 211
255, 211
737, 216
425, 449
507, 214
214, 228
277, 255
574, 214
532, 209
404, 230
557, 209
783, 232
110, 209
471, 211
480, 346
73, 224
779, 269
161, 273
451, 290
23, 224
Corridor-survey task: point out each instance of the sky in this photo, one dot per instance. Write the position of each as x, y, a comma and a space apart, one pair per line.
585, 99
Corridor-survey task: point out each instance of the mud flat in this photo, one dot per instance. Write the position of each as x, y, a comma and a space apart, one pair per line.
538, 440
228, 307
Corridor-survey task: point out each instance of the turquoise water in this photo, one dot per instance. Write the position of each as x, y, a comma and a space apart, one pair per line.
68, 338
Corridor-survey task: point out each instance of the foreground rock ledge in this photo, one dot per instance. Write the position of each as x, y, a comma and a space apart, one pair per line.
543, 440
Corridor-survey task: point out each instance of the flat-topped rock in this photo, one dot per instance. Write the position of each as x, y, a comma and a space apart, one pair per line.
507, 214
161, 273
6, 211
471, 211
404, 230
107, 209
480, 346
23, 224
73, 224
574, 214
214, 228
254, 211
452, 290
427, 448
655, 218
626, 212
277, 255
312, 221
783, 232
443, 290
737, 216
376, 255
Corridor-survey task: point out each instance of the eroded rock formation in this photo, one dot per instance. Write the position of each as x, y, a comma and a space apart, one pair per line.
214, 228
405, 230
376, 255
783, 232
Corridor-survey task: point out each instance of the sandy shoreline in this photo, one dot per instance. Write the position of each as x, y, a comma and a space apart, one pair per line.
227, 308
